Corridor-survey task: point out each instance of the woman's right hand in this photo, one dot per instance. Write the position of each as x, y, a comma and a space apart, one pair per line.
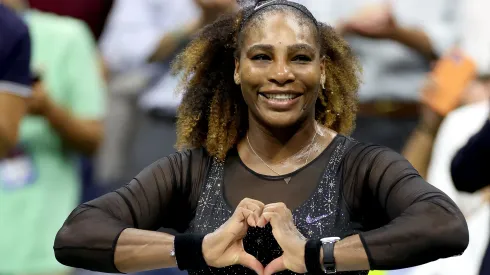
224, 247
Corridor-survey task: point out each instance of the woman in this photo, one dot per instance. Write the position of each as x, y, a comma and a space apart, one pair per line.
271, 132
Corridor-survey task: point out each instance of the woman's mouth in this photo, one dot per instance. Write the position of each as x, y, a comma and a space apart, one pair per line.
280, 101
280, 97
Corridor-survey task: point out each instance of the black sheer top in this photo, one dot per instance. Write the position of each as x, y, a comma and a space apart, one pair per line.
350, 188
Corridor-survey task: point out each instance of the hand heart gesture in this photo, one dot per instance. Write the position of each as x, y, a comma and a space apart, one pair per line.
287, 236
224, 247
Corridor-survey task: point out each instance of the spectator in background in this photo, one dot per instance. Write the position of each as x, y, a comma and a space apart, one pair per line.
39, 181
454, 132
469, 170
92, 12
456, 129
15, 76
474, 44
396, 42
141, 39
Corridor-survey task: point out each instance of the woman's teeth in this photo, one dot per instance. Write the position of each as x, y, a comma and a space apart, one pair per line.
280, 97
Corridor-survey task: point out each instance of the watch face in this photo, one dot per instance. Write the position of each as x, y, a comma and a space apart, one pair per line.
330, 240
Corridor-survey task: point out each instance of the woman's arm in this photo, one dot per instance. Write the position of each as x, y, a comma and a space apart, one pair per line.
140, 250
113, 233
408, 222
349, 254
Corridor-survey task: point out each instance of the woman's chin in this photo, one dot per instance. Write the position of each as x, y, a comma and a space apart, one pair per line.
282, 119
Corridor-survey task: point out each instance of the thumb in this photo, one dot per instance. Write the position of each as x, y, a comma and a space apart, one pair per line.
277, 265
251, 262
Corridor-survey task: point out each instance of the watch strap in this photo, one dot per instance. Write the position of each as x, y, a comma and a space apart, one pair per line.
328, 257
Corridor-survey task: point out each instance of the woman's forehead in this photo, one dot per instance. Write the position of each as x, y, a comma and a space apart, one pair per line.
280, 28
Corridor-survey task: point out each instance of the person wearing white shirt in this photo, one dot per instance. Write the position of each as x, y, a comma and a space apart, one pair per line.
456, 129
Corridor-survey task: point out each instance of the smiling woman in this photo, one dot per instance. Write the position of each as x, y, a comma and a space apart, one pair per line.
272, 50
266, 181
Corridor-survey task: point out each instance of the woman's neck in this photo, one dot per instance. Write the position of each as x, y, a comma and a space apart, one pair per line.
275, 145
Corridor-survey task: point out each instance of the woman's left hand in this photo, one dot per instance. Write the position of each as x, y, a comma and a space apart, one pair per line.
287, 236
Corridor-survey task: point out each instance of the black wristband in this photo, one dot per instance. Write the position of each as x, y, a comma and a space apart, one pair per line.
312, 257
188, 252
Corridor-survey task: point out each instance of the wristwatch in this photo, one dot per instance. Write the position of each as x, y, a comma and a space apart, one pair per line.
328, 257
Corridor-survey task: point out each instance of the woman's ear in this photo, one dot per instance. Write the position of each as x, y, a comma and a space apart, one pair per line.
323, 79
237, 72
323, 61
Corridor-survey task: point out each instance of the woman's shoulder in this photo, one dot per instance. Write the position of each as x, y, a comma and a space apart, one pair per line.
185, 157
186, 168
365, 152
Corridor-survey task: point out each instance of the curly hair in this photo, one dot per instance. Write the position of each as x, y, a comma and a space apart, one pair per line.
213, 113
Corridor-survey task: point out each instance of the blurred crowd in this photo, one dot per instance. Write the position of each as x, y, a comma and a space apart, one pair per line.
104, 106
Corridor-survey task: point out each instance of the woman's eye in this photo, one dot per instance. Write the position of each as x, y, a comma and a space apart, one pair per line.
302, 58
261, 57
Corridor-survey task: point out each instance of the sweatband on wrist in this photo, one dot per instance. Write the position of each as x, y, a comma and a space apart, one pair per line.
312, 257
188, 252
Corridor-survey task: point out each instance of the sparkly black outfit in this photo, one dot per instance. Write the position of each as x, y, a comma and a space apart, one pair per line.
351, 188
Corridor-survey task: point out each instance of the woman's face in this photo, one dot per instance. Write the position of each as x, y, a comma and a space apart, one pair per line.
280, 70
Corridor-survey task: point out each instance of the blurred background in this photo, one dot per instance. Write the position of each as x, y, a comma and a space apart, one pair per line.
425, 93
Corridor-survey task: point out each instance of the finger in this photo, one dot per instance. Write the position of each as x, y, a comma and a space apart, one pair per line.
256, 207
251, 262
277, 265
257, 213
275, 207
279, 208
242, 214
267, 213
252, 219
269, 217
251, 201
235, 224
237, 220
262, 222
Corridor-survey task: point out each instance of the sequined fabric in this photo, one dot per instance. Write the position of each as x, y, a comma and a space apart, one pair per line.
322, 215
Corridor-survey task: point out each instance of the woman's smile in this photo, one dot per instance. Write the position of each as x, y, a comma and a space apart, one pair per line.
279, 100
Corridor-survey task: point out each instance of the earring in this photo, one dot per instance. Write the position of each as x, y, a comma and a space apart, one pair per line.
322, 80
237, 80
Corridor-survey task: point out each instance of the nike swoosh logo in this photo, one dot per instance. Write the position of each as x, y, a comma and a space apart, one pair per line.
314, 220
